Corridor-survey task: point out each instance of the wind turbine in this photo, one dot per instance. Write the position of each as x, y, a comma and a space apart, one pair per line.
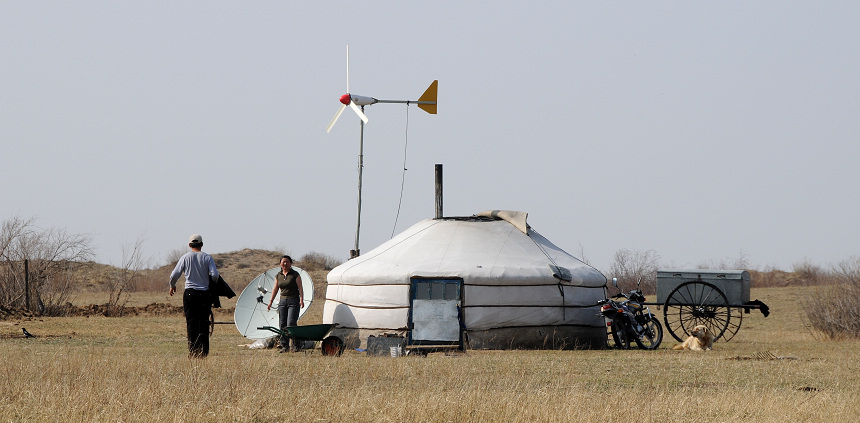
426, 102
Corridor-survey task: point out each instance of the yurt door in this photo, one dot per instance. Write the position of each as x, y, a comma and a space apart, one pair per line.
434, 315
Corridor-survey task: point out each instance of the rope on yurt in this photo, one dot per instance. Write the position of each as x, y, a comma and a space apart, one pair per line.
559, 285
403, 177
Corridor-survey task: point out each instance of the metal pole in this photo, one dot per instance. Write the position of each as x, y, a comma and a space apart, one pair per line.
439, 191
356, 252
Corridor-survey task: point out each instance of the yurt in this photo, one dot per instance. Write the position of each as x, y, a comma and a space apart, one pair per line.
486, 281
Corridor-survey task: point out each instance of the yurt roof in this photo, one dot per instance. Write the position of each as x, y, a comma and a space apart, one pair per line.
493, 247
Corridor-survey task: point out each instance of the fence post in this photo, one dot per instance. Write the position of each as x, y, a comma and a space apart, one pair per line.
27, 284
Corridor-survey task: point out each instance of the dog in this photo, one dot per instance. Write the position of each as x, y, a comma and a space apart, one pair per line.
700, 339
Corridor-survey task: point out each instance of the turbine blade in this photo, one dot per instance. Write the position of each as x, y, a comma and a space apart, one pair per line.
358, 111
347, 68
336, 115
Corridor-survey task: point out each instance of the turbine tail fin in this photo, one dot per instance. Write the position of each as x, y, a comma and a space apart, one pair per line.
427, 101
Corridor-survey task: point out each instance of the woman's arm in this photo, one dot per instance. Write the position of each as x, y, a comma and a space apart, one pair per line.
274, 293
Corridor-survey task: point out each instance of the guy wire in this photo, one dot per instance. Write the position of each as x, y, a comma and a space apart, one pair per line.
403, 176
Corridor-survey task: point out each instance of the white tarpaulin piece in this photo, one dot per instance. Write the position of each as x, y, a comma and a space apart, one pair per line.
511, 277
516, 218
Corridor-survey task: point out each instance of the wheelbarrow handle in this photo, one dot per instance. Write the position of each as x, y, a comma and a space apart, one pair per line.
273, 329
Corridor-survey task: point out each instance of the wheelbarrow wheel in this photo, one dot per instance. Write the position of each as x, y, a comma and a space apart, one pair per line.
211, 323
696, 303
332, 345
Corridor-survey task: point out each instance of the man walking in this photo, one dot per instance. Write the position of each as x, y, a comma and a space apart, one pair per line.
198, 268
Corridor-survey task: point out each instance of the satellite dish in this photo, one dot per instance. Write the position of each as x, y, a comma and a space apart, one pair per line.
251, 311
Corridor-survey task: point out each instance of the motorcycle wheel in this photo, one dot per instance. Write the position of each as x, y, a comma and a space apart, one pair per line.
651, 336
619, 333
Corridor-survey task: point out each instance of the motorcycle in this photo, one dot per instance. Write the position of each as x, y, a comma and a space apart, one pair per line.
630, 319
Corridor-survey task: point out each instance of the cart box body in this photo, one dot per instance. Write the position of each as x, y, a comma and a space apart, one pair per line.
735, 284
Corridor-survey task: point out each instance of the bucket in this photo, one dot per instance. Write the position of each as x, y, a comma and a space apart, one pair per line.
396, 351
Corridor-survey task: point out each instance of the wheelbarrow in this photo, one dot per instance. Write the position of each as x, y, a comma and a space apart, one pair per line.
331, 345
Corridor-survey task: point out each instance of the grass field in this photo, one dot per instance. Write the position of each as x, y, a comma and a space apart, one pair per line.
135, 369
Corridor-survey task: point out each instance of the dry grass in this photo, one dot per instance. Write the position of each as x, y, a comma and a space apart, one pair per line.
135, 369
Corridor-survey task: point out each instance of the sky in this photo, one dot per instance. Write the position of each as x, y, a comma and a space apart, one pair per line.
702, 131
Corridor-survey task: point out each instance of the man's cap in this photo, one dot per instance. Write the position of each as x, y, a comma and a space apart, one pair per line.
195, 239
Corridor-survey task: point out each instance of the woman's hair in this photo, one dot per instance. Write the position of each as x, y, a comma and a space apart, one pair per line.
286, 257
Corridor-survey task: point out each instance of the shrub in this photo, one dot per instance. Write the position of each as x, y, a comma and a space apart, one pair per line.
173, 256
810, 274
318, 261
632, 266
834, 309
36, 265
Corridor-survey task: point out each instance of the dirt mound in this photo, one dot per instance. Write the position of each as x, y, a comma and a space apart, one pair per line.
12, 313
70, 310
154, 309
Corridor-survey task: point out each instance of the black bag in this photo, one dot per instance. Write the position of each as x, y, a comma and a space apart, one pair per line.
219, 288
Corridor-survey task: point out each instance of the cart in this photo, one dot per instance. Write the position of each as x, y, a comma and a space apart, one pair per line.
717, 299
331, 345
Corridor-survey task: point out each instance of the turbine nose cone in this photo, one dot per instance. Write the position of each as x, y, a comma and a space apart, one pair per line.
345, 99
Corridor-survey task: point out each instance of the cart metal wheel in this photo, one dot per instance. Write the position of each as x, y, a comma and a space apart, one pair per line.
332, 345
737, 317
697, 303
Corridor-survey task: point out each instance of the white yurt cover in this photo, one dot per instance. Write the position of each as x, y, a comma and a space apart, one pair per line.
519, 289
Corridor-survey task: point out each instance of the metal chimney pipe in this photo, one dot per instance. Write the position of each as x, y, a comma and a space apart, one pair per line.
438, 191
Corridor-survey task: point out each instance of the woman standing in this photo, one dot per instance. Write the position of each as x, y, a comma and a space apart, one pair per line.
289, 283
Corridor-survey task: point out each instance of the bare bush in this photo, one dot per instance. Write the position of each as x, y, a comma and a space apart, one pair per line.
632, 266
809, 274
582, 256
152, 280
121, 282
174, 255
318, 261
834, 309
739, 263
36, 265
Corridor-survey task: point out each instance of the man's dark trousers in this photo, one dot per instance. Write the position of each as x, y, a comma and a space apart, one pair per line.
197, 306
